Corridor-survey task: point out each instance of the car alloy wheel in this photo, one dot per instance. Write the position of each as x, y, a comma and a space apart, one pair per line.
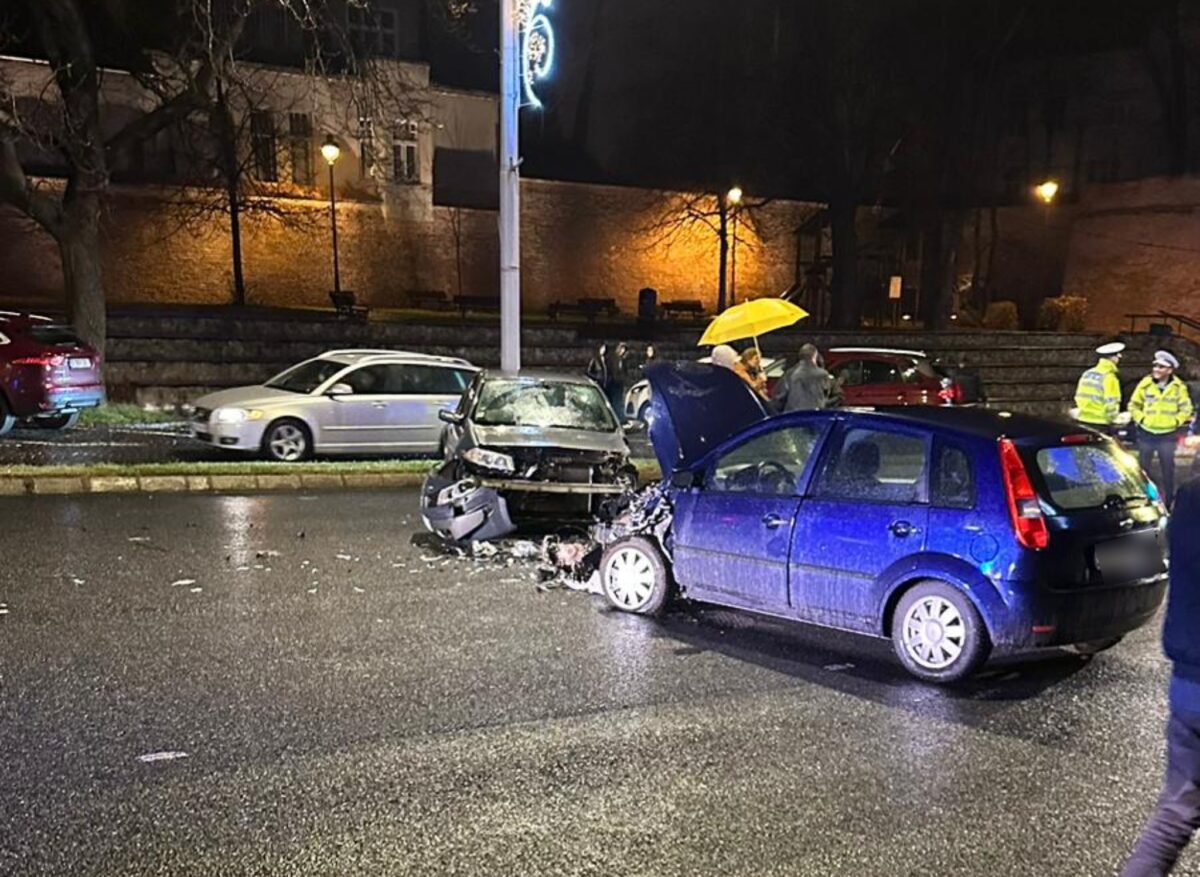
934, 633
938, 633
634, 577
287, 442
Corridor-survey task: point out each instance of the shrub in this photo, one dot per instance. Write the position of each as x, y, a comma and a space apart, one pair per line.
1001, 315
1064, 313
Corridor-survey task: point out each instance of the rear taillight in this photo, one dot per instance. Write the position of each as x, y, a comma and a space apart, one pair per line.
46, 361
1028, 521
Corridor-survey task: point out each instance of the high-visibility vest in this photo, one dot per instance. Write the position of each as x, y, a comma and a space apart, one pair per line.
1098, 394
1158, 409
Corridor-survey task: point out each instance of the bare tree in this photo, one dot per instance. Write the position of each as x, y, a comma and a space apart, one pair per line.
676, 217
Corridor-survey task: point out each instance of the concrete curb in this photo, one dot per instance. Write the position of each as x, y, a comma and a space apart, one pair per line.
36, 485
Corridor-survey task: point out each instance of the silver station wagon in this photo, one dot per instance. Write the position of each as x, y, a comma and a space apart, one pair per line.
341, 402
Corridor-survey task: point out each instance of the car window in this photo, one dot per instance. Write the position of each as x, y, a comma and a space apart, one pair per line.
54, 336
370, 379
768, 464
849, 373
872, 465
424, 380
307, 376
878, 371
546, 404
1087, 476
953, 484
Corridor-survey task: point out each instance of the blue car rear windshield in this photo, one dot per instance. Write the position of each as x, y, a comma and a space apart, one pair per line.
1088, 476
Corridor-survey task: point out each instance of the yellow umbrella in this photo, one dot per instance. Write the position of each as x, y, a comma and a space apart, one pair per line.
751, 319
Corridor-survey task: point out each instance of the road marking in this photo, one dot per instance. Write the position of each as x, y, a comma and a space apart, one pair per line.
167, 755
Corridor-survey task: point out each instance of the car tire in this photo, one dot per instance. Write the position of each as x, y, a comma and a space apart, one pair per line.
287, 441
1096, 646
7, 421
635, 577
938, 634
60, 421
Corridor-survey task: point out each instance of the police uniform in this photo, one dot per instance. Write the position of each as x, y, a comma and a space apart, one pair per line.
1098, 393
1160, 409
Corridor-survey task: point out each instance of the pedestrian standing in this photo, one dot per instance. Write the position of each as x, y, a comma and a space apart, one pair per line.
651, 358
806, 386
1098, 393
1160, 406
618, 371
1177, 815
597, 367
749, 367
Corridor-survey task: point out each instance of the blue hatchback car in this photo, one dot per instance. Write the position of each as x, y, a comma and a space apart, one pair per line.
957, 533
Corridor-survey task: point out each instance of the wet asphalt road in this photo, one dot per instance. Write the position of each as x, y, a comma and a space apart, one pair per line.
142, 443
350, 702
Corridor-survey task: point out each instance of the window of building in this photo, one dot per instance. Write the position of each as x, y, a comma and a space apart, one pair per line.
405, 167
366, 149
263, 147
300, 147
373, 32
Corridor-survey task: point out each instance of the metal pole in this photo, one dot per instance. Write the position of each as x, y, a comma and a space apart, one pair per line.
510, 190
337, 278
733, 262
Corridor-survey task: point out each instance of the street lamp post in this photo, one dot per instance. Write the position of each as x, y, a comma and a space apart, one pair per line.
330, 152
734, 199
1046, 192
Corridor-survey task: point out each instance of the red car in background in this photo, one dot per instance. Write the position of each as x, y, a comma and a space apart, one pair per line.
47, 374
871, 376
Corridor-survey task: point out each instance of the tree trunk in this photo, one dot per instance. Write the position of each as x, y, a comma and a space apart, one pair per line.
723, 233
846, 308
79, 246
235, 238
932, 262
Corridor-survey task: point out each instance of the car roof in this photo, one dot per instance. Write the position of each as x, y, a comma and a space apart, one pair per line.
20, 318
355, 356
887, 350
987, 423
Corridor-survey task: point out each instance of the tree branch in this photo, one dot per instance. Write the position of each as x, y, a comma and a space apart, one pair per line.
15, 189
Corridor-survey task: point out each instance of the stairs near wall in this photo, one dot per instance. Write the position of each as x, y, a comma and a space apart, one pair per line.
168, 357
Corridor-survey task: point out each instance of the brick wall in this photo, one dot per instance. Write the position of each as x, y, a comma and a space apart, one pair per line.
1135, 247
577, 240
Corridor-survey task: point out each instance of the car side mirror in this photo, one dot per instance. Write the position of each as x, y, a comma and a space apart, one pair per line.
683, 480
340, 390
447, 416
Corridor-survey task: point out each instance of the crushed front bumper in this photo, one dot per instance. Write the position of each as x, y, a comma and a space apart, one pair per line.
475, 509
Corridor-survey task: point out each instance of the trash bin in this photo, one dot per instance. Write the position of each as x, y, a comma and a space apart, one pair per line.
647, 305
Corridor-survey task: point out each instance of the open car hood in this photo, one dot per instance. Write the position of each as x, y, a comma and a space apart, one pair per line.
694, 407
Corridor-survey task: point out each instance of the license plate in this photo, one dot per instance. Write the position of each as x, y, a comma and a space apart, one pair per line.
79, 362
1133, 557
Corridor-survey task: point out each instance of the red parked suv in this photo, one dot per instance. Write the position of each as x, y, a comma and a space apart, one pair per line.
872, 376
47, 375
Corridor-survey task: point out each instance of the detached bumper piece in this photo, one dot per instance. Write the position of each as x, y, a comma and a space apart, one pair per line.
464, 511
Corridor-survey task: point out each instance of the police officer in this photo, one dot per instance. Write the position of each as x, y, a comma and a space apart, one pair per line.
1160, 406
1098, 394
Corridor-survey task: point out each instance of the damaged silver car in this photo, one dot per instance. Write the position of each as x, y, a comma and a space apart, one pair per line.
525, 449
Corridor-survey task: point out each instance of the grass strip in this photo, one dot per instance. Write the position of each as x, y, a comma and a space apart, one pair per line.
124, 414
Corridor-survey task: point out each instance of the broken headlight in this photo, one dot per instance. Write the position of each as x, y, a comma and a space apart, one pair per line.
492, 460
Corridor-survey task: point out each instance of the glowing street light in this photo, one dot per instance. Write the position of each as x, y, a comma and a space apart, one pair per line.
733, 198
330, 151
1047, 191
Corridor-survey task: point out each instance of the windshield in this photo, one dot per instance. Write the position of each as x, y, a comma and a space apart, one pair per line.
1088, 476
546, 404
307, 376
55, 336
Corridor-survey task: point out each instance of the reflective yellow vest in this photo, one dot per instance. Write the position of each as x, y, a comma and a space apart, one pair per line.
1158, 409
1098, 394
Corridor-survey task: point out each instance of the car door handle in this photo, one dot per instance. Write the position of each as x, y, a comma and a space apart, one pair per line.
773, 521
903, 529
379, 404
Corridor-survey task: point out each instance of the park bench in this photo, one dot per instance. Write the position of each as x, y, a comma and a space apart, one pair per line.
466, 303
588, 308
427, 300
347, 306
690, 308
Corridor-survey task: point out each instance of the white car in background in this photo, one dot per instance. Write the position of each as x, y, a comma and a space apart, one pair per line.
637, 397
341, 402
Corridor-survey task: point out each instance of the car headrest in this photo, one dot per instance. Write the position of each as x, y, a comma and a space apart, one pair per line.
862, 460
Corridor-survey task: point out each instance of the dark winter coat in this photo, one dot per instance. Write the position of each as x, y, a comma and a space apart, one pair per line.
597, 370
805, 387
1180, 639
